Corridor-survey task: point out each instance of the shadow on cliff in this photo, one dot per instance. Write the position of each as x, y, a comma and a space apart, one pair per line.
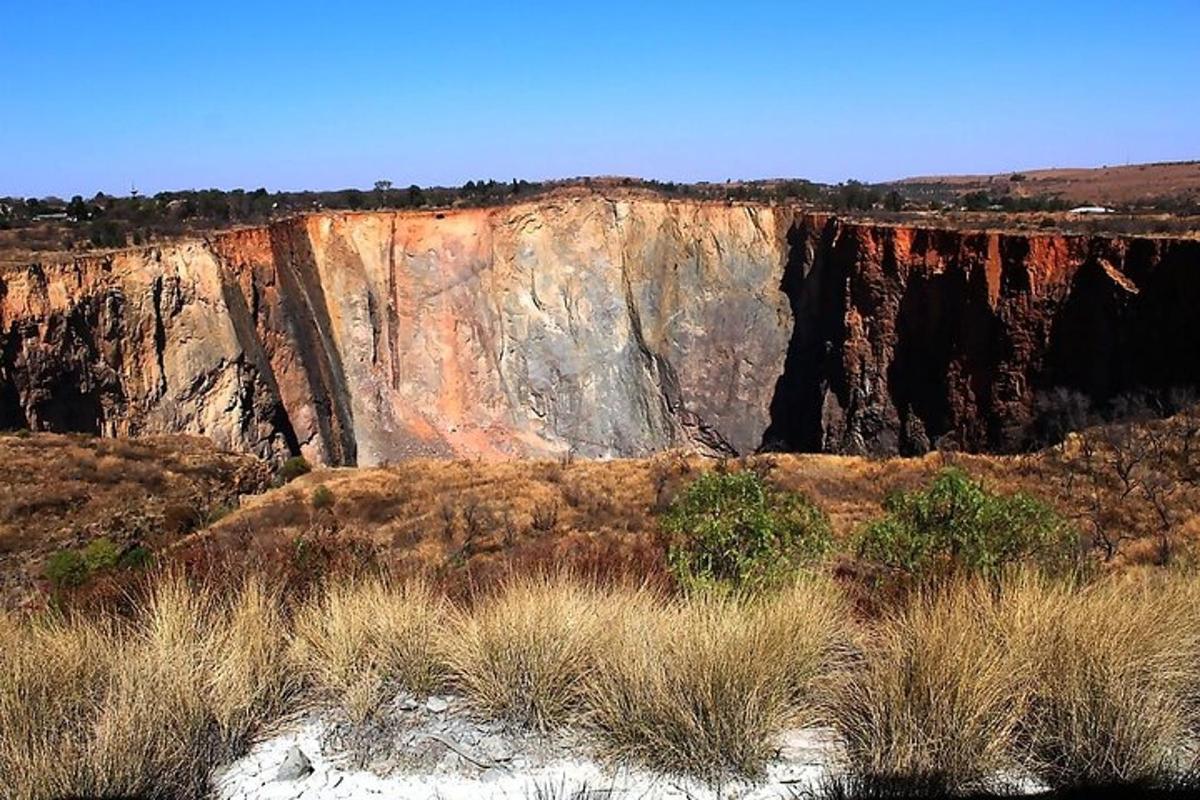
307, 317
949, 349
276, 414
63, 378
814, 285
1128, 325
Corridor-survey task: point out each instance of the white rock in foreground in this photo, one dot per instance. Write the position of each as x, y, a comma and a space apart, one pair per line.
499, 767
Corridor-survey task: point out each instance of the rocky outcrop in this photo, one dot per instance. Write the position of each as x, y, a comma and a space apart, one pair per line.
908, 337
589, 324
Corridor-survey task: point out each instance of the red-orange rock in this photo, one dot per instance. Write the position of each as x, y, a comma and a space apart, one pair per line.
590, 324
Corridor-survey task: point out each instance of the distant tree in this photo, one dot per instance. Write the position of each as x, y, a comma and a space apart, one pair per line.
415, 196
894, 201
77, 209
856, 196
977, 201
107, 233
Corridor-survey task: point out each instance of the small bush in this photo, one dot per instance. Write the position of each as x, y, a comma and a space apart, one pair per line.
100, 554
66, 568
957, 524
136, 557
322, 498
734, 529
545, 517
70, 568
217, 513
293, 468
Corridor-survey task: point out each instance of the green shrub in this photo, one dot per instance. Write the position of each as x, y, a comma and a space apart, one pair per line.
958, 524
100, 554
70, 568
66, 568
734, 529
322, 497
136, 557
293, 468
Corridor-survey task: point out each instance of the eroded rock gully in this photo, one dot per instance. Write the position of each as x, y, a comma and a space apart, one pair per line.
603, 326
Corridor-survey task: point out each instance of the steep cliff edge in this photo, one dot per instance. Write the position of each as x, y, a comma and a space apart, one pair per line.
907, 338
603, 326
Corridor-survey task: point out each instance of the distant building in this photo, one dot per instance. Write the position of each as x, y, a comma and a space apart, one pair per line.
1090, 210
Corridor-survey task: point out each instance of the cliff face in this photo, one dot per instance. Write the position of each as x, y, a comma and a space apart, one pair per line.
908, 337
599, 326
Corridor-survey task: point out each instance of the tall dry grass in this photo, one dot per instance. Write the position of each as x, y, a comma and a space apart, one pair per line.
961, 689
523, 652
977, 684
1113, 669
363, 640
704, 686
938, 696
106, 708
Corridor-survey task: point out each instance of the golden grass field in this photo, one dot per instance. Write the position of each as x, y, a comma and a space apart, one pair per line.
958, 689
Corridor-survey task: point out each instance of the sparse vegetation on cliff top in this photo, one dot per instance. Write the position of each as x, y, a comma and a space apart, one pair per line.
105, 221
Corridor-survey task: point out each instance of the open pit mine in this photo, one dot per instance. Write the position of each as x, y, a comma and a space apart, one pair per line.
594, 325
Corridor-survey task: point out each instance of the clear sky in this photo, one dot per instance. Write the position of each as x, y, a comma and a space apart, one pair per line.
323, 95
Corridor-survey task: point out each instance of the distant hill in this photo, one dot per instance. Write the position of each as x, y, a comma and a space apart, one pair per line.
1131, 185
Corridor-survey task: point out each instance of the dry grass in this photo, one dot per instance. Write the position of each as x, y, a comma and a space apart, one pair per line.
1078, 686
362, 641
704, 686
938, 697
956, 691
601, 518
60, 492
1113, 674
140, 709
524, 652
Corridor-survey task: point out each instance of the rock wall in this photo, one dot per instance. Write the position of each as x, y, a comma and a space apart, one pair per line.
908, 338
588, 324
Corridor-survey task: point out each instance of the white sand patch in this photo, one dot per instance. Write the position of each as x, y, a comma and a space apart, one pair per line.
462, 759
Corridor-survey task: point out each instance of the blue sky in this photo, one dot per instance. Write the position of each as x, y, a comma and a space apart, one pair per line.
94, 95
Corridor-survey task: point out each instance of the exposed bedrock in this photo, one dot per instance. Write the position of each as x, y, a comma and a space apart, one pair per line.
599, 326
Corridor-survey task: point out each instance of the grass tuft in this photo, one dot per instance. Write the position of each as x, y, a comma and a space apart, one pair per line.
937, 698
1114, 668
141, 708
522, 654
704, 686
363, 640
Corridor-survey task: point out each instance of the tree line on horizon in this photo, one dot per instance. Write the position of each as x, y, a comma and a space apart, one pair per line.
108, 221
